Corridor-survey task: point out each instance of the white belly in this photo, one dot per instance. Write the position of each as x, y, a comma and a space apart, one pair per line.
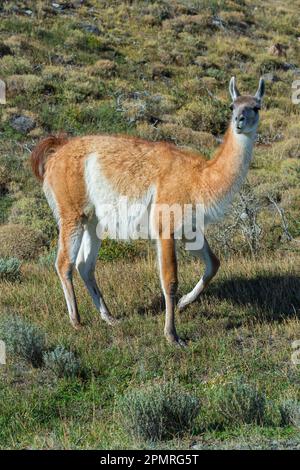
118, 216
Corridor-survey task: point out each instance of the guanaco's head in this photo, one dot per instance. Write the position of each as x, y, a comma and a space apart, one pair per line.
245, 108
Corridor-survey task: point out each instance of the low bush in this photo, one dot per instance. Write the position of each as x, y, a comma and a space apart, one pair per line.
180, 135
290, 413
34, 212
206, 115
20, 241
62, 362
23, 339
47, 260
10, 269
4, 179
239, 403
158, 412
116, 249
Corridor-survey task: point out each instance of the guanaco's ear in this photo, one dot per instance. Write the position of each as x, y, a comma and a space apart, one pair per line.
234, 92
261, 90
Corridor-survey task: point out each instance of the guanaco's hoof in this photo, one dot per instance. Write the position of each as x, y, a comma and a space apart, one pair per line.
176, 341
183, 303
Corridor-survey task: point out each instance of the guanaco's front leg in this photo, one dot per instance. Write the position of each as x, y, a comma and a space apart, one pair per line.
212, 265
168, 277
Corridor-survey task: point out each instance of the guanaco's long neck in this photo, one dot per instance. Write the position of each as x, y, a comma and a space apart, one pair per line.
226, 172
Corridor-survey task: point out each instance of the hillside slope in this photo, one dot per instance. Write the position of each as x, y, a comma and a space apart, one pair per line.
160, 70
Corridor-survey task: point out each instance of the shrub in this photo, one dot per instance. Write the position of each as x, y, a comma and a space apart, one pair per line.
62, 362
206, 115
10, 65
23, 339
48, 259
145, 107
53, 72
158, 412
103, 68
117, 249
239, 403
79, 87
28, 83
192, 24
5, 205
180, 135
83, 119
249, 226
33, 211
290, 413
4, 179
20, 241
10, 269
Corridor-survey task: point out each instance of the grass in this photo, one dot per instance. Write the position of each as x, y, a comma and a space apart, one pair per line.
229, 336
159, 70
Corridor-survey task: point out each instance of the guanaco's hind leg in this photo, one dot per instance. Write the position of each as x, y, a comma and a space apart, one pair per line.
70, 236
212, 265
168, 276
86, 263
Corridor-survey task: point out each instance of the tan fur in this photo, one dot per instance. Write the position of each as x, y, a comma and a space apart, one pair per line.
132, 165
129, 166
168, 268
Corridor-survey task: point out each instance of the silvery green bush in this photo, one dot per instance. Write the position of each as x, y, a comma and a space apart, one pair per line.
62, 362
158, 412
239, 403
23, 339
10, 269
48, 259
290, 413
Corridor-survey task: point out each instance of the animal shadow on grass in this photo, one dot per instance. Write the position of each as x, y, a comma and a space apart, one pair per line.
272, 297
155, 307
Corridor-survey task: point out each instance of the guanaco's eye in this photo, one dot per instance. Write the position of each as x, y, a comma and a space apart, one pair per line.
231, 106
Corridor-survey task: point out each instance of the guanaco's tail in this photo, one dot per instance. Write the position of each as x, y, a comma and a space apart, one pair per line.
43, 150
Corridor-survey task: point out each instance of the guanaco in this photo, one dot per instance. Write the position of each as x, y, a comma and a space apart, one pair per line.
84, 175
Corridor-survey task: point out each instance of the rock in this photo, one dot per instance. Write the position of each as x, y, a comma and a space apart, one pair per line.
218, 22
288, 66
277, 50
4, 50
270, 77
90, 28
23, 124
67, 5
